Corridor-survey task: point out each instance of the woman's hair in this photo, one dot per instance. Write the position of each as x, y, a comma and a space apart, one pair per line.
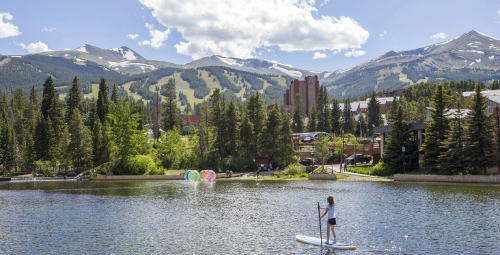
330, 200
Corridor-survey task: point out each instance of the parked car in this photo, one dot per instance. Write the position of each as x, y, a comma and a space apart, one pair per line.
321, 161
360, 158
307, 162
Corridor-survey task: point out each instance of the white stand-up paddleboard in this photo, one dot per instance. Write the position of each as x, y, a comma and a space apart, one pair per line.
317, 242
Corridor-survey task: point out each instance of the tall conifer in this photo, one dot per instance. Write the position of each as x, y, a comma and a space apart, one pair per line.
374, 117
49, 92
103, 101
74, 99
298, 114
170, 110
336, 114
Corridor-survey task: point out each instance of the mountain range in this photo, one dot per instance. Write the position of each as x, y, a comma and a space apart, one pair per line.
472, 55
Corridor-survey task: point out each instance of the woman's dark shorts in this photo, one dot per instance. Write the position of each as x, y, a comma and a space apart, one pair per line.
332, 221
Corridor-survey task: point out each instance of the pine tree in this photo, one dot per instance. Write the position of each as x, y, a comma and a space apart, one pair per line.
361, 124
114, 95
373, 113
246, 134
57, 118
80, 145
156, 117
336, 114
392, 110
74, 99
479, 150
96, 143
271, 134
51, 145
28, 149
102, 101
41, 139
435, 134
286, 147
188, 109
323, 108
218, 119
257, 116
347, 115
452, 159
399, 137
298, 114
49, 92
7, 138
92, 114
421, 110
170, 110
233, 128
312, 119
496, 129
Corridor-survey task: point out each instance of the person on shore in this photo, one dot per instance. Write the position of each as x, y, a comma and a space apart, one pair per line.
341, 168
258, 172
330, 209
227, 173
231, 173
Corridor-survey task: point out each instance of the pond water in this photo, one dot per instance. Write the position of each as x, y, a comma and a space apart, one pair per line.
245, 217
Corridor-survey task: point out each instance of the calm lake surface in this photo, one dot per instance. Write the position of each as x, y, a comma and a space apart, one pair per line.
244, 217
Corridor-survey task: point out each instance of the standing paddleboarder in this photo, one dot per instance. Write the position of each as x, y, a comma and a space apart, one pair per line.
330, 209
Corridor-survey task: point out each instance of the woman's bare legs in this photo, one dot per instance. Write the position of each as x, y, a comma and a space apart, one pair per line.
328, 232
333, 232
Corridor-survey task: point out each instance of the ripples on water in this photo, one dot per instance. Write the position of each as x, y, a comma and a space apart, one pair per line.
230, 217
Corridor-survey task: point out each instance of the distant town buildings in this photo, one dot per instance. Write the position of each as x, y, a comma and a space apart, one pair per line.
308, 89
358, 107
492, 95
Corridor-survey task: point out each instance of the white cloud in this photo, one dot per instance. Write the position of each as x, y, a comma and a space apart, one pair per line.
319, 55
239, 28
35, 47
67, 49
7, 29
439, 36
324, 3
132, 36
355, 53
382, 35
498, 16
52, 29
157, 37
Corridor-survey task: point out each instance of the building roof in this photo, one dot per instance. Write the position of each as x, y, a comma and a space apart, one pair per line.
484, 92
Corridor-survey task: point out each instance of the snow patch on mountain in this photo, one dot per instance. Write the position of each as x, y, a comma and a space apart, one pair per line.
296, 74
472, 51
82, 49
230, 61
472, 63
127, 63
327, 74
491, 57
478, 60
127, 54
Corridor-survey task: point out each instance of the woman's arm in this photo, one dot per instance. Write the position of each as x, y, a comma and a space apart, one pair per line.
324, 214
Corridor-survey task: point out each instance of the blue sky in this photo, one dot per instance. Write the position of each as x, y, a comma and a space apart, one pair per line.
287, 31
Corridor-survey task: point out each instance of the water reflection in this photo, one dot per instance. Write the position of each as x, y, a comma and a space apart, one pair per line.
176, 217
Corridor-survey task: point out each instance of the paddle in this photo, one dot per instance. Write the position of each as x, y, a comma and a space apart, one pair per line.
321, 235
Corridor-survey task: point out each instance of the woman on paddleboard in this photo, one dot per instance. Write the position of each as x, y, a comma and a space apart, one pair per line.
330, 209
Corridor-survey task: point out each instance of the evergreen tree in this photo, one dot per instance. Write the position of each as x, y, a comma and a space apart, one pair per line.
323, 108
188, 109
74, 100
361, 124
80, 145
49, 92
421, 110
218, 119
7, 139
64, 156
392, 110
246, 134
57, 118
347, 115
233, 128
41, 139
479, 150
298, 114
435, 134
373, 113
51, 145
336, 115
286, 148
156, 117
28, 149
496, 129
312, 119
271, 134
92, 114
452, 159
400, 137
257, 116
102, 101
114, 95
96, 143
170, 110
